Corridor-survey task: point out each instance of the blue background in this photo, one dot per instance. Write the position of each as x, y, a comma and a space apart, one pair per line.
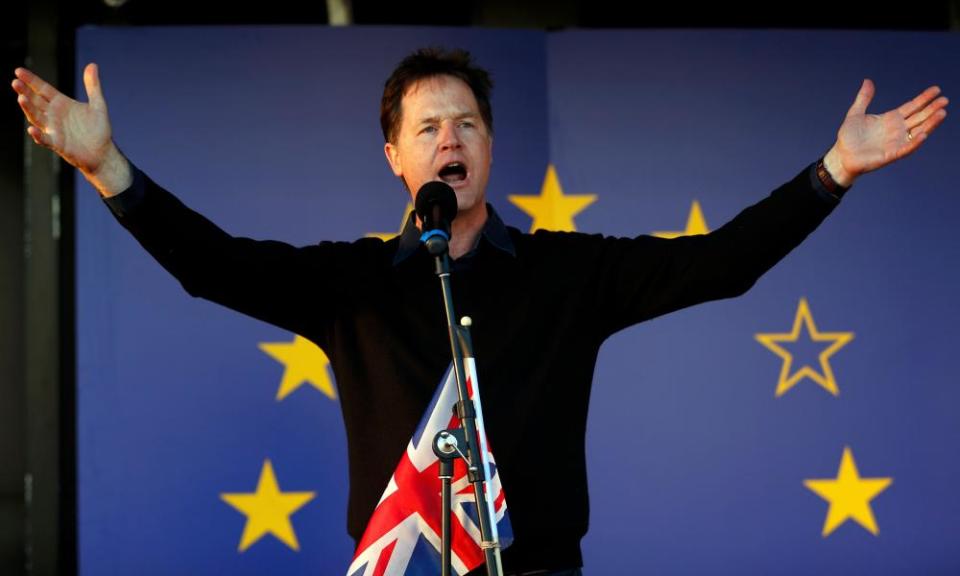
695, 466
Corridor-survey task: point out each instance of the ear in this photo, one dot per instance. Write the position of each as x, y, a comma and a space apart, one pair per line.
393, 158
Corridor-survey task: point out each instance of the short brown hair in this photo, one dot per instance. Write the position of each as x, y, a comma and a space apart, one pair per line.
426, 63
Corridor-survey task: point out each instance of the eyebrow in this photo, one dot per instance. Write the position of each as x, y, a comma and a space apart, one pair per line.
434, 119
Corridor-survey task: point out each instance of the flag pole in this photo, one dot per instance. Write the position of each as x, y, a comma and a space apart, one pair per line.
473, 453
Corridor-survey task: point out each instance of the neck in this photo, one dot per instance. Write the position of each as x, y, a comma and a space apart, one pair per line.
465, 230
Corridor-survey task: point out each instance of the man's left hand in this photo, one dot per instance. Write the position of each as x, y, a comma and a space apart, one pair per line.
866, 142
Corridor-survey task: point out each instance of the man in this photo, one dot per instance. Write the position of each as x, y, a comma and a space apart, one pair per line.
542, 304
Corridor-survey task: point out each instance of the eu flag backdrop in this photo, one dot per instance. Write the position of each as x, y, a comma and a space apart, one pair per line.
807, 426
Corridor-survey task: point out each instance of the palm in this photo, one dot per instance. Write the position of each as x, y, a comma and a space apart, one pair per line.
866, 142
79, 132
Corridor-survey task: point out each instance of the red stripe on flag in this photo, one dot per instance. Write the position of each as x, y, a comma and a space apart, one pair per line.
384, 559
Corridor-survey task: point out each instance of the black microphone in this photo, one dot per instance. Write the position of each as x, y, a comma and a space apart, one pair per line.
436, 207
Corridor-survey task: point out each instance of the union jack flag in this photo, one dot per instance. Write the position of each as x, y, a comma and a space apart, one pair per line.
403, 535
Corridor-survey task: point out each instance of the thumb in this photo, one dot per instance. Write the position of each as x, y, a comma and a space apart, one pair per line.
863, 98
91, 81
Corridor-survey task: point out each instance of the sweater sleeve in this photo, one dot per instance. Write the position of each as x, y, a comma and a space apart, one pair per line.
276, 282
644, 277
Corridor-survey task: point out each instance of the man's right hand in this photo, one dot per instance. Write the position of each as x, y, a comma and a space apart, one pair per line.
79, 132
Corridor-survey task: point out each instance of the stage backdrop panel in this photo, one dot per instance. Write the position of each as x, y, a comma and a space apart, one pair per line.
696, 462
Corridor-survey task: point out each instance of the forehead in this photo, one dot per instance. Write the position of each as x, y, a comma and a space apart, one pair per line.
438, 96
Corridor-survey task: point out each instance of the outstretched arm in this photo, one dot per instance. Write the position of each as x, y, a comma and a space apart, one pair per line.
866, 142
273, 281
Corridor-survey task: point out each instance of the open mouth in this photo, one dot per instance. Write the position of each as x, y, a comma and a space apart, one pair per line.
453, 172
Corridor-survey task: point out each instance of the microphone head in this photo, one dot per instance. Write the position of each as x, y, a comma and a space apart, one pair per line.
436, 206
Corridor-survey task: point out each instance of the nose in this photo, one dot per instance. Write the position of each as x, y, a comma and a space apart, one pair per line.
449, 138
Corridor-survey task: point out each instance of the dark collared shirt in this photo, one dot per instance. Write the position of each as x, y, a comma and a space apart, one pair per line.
494, 231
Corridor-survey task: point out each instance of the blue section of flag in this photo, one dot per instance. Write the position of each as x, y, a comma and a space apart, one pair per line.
425, 560
471, 509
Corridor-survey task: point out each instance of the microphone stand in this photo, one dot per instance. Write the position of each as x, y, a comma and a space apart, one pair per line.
446, 443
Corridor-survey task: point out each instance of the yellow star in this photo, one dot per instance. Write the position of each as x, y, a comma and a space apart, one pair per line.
696, 224
390, 235
552, 210
787, 381
849, 495
304, 362
268, 510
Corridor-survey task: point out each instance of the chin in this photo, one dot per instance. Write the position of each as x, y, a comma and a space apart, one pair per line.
466, 204
468, 199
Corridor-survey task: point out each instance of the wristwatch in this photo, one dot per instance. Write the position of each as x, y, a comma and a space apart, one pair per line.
827, 180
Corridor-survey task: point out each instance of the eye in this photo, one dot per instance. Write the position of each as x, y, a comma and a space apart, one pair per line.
428, 130
466, 124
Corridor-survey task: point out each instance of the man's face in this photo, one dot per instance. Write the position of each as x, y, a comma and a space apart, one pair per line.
442, 137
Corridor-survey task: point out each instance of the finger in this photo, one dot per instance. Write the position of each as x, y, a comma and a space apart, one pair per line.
864, 96
31, 106
27, 93
918, 135
929, 125
20, 87
91, 80
918, 118
36, 83
919, 102
38, 136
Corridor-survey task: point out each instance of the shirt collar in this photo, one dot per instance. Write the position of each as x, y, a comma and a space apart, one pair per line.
494, 230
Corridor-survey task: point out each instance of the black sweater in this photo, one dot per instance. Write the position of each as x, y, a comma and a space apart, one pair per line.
541, 304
